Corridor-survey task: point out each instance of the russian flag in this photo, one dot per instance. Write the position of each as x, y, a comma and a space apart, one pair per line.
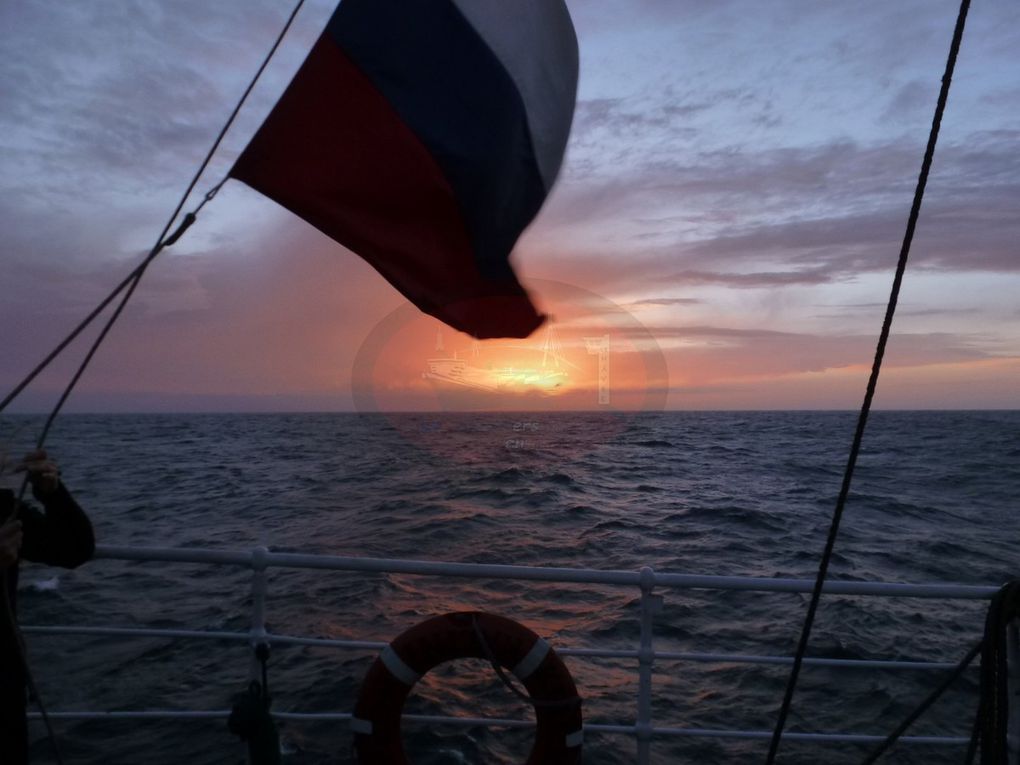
424, 135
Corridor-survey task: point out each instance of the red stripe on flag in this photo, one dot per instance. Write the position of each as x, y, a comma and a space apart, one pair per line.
334, 152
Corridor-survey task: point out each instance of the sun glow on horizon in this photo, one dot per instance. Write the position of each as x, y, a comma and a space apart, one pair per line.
593, 356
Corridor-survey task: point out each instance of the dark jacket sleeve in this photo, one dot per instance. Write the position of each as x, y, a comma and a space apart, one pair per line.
62, 536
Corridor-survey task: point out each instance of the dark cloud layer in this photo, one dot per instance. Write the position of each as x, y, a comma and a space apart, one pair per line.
826, 214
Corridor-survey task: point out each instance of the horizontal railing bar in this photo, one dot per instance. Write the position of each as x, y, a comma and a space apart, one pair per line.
848, 738
137, 632
175, 555
134, 632
171, 714
357, 645
737, 658
136, 714
376, 645
261, 557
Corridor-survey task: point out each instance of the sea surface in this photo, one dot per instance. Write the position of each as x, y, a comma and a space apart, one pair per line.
935, 499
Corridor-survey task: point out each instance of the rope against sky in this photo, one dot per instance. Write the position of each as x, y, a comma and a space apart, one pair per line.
130, 283
869, 395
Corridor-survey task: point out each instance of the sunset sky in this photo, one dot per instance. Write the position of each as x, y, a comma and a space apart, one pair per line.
729, 213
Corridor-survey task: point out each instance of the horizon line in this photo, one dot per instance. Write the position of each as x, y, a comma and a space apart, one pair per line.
43, 413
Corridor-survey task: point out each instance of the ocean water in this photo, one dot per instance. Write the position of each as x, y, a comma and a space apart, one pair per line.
934, 500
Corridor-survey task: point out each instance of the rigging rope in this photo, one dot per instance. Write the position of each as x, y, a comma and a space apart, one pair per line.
991, 724
130, 283
491, 658
990, 727
862, 420
932, 697
132, 279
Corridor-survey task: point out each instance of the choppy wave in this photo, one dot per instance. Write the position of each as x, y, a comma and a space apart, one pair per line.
741, 493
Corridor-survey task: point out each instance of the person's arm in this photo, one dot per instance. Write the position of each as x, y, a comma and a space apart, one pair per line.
62, 536
10, 543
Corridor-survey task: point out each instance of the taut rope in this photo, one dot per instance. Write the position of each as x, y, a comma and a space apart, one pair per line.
876, 367
130, 283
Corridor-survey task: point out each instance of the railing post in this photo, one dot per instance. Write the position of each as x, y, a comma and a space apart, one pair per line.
651, 605
259, 578
1013, 686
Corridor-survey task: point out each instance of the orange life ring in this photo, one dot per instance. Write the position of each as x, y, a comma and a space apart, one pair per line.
376, 719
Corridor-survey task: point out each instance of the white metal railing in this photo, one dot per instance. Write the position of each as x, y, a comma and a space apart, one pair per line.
260, 559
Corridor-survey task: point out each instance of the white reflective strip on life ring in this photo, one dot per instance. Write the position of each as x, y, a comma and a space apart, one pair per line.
574, 739
526, 666
397, 667
361, 726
